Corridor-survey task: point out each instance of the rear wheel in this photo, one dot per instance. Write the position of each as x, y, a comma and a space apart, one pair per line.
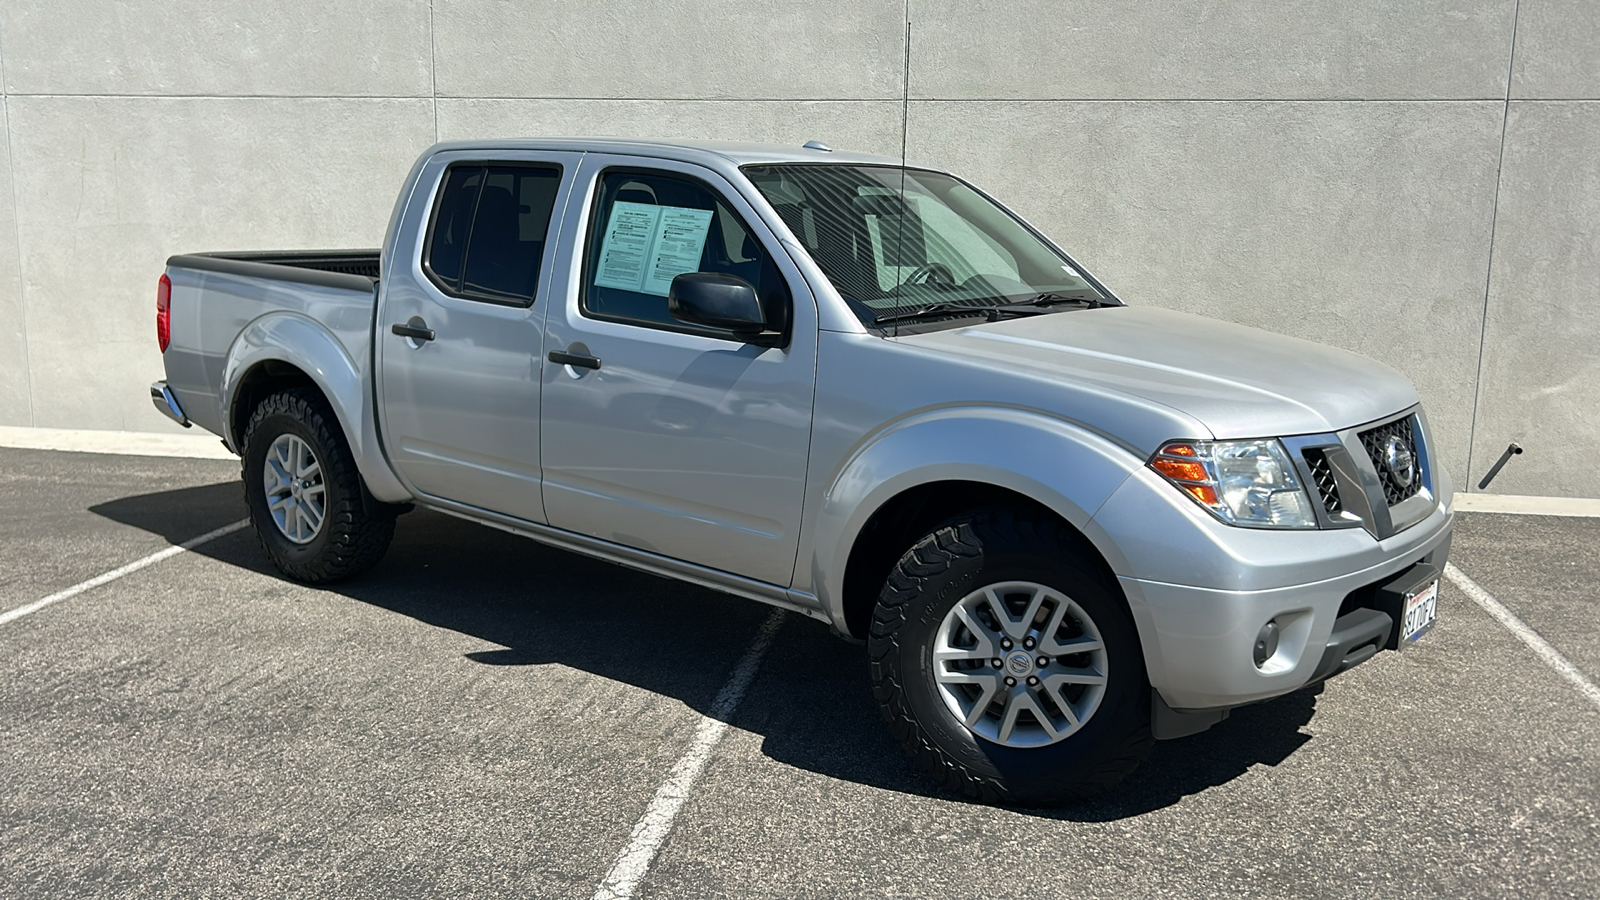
1007, 666
306, 499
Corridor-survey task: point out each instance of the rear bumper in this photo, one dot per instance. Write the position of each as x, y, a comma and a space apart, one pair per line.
161, 395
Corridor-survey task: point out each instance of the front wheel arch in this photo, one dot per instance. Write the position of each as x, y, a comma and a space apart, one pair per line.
904, 518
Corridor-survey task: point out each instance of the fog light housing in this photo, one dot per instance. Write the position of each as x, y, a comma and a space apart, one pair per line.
1266, 643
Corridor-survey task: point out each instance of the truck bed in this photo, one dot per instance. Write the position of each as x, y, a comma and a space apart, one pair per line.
355, 269
222, 303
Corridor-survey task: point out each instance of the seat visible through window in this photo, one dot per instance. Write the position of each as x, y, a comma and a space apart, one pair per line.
489, 231
500, 262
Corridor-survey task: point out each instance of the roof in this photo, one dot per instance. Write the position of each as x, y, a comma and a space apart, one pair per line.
739, 154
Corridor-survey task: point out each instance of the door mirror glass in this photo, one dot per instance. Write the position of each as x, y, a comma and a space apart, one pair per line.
716, 300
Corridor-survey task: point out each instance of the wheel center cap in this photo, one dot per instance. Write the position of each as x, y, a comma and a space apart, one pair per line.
1019, 663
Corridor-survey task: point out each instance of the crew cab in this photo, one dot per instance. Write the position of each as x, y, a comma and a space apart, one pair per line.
1063, 526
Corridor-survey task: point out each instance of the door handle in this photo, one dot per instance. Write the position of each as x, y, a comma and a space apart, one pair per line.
416, 329
576, 360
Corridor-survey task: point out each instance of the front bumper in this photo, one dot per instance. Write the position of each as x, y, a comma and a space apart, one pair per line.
1200, 642
1200, 591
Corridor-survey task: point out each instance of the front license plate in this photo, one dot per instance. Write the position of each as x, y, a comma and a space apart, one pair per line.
1420, 610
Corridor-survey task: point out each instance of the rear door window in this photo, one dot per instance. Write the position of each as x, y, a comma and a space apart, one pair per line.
488, 233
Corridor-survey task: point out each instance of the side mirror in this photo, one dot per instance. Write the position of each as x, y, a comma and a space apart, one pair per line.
718, 300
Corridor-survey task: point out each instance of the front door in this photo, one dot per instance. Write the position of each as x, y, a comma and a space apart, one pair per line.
460, 330
671, 438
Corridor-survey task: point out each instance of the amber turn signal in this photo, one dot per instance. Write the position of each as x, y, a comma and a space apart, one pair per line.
1180, 470
1183, 465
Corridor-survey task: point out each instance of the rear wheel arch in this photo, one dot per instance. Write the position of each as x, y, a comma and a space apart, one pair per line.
261, 381
286, 350
269, 377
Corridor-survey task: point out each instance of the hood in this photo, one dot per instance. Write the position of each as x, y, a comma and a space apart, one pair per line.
1240, 382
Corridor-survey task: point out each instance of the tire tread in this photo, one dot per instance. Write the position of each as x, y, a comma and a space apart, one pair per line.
965, 538
357, 539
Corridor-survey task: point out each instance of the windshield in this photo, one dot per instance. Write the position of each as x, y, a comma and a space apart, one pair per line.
896, 241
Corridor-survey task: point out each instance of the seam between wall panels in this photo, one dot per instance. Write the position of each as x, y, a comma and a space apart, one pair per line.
16, 227
433, 67
1494, 223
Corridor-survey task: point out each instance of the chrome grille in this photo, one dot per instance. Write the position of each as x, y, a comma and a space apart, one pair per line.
1376, 442
1322, 474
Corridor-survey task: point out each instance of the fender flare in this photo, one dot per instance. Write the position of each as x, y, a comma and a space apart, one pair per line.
300, 341
1062, 465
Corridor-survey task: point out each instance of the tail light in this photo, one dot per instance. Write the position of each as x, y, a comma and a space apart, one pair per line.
164, 312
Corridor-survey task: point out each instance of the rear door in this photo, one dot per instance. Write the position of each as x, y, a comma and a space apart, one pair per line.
671, 438
460, 330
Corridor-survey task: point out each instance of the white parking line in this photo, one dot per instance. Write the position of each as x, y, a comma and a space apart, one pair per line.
11, 615
1551, 656
651, 831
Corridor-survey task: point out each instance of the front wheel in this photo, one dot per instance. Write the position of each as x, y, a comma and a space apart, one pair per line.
305, 495
1007, 665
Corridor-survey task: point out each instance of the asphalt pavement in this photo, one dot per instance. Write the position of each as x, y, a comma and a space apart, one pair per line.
483, 716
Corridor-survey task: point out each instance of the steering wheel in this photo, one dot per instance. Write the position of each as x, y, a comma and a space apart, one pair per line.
933, 274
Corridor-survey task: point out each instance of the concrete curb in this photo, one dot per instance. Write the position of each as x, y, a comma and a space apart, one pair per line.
122, 443
1527, 506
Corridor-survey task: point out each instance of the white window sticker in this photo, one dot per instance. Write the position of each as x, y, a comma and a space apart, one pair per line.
646, 246
627, 242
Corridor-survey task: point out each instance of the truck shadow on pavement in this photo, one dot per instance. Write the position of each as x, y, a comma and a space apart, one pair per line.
811, 701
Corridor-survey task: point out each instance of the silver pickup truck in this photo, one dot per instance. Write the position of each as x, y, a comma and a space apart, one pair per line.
1063, 526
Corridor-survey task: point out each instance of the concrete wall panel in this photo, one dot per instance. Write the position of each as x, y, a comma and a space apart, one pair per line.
203, 47
1541, 365
748, 49
1326, 168
1558, 50
1179, 49
14, 375
1362, 225
108, 188
867, 126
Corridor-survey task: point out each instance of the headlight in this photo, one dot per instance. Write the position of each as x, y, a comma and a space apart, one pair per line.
1250, 483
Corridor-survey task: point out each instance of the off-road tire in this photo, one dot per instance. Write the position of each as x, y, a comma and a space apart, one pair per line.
355, 532
952, 561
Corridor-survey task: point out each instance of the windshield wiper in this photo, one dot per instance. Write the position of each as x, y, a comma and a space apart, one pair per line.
931, 309
943, 309
1052, 298
1033, 306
